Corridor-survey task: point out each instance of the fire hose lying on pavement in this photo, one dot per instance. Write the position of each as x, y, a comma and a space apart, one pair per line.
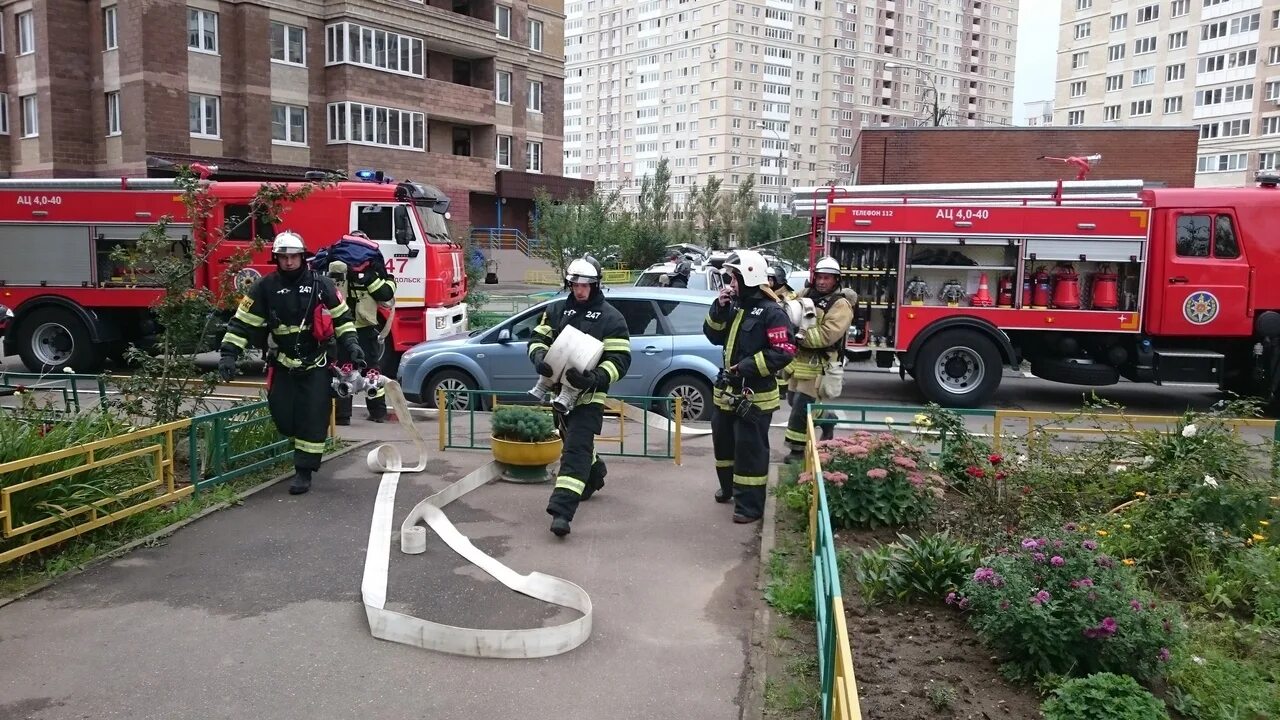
399, 627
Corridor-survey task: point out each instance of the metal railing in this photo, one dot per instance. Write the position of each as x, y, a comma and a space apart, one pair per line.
65, 386
502, 238
670, 442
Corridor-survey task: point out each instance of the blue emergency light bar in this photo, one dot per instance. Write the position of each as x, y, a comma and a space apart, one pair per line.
374, 176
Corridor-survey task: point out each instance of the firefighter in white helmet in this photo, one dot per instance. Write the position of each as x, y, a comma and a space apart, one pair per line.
818, 370
582, 472
303, 312
757, 338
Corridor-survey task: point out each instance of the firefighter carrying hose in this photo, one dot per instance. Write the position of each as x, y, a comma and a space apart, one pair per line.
818, 369
757, 338
582, 472
356, 266
302, 312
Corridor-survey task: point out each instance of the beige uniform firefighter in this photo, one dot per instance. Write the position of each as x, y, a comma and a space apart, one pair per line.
819, 352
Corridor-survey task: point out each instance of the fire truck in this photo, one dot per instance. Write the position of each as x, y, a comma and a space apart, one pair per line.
1088, 281
74, 305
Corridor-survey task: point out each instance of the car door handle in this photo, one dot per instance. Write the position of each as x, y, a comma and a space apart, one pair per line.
1178, 280
651, 350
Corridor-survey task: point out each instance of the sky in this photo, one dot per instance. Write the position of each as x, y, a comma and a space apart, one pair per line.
1037, 54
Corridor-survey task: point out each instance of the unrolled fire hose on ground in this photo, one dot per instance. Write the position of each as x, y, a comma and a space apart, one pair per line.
476, 642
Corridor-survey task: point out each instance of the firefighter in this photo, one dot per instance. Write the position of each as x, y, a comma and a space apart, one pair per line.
778, 283
366, 287
582, 472
818, 348
294, 305
757, 338
679, 278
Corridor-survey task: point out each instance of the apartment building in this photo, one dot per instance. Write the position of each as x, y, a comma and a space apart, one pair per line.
1038, 113
1214, 64
463, 94
775, 89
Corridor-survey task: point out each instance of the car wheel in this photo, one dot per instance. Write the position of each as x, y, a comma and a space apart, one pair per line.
695, 396
451, 381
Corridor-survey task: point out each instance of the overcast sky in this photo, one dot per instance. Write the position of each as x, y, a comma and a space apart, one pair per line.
1037, 54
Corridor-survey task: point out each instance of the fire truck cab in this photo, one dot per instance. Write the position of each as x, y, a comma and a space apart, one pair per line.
1088, 281
74, 306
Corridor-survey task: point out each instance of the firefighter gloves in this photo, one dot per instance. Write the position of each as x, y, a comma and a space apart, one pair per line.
357, 355
227, 367
579, 379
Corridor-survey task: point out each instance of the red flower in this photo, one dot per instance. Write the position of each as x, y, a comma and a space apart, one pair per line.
975, 471
1000, 475
1026, 489
994, 458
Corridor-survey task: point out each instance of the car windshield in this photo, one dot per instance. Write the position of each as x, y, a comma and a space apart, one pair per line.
433, 223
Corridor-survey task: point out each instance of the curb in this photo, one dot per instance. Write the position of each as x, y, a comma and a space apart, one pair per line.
757, 670
168, 530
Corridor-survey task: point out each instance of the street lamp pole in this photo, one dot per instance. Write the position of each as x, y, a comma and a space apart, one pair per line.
936, 113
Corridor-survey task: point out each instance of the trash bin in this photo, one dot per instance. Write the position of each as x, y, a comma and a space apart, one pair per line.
491, 276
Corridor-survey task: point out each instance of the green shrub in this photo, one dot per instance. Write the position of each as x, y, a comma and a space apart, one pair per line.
523, 424
876, 480
1056, 604
1103, 696
910, 569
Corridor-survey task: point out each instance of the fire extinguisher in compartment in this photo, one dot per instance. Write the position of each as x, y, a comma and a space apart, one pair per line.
1104, 295
1066, 288
1040, 289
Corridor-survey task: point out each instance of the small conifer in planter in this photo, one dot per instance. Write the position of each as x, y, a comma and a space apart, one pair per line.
525, 442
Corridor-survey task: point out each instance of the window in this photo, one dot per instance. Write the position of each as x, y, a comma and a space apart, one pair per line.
1224, 238
1115, 82
1178, 8
1175, 72
1115, 52
1078, 88
1079, 60
1193, 236
1075, 117
384, 222
113, 113
1177, 40
533, 157
535, 35
1082, 5
1119, 22
30, 116
502, 21
202, 30
4, 113
503, 90
535, 96
1139, 108
1144, 76
288, 124
243, 224
379, 49
288, 44
1173, 105
1273, 55
1147, 14
640, 315
1222, 163
204, 112
109, 39
361, 124
1271, 125
1111, 112
1144, 45
1083, 30
504, 151
683, 318
26, 33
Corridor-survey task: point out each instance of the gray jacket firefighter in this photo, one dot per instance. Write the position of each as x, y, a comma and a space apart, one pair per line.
818, 369
302, 312
366, 288
757, 338
582, 472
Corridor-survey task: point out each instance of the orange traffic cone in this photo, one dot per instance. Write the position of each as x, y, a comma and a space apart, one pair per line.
982, 298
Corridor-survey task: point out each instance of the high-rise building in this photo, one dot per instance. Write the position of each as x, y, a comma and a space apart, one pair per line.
1210, 63
775, 89
462, 94
1038, 113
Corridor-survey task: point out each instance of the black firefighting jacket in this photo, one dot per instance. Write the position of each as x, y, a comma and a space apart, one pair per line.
596, 318
757, 338
285, 309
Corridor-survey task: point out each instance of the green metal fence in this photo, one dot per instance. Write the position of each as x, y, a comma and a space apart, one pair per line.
227, 444
665, 444
893, 417
64, 387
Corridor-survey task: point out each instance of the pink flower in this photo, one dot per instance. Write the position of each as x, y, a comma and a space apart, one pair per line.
835, 477
1041, 597
877, 473
1164, 655
1136, 605
886, 437
951, 598
1057, 561
905, 462
805, 477
1038, 557
824, 457
916, 479
937, 492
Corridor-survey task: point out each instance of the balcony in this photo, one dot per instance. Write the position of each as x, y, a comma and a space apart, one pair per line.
461, 27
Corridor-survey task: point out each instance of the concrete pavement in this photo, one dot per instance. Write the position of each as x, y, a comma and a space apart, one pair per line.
255, 611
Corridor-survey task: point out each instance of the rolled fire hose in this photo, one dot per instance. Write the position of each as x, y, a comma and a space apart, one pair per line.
418, 632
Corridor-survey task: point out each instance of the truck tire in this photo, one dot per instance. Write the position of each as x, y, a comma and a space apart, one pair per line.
1074, 372
53, 338
958, 368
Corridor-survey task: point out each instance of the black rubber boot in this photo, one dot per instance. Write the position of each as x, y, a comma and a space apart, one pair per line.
560, 527
378, 418
301, 482
795, 456
722, 496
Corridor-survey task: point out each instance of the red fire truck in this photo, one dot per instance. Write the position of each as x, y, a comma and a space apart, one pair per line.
73, 306
1089, 281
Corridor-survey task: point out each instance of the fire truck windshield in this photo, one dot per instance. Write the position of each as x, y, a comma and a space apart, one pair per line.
434, 225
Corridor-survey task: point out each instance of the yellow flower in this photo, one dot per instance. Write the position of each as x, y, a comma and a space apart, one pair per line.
1126, 526
1263, 523
1139, 494
1102, 533
1258, 537
1129, 561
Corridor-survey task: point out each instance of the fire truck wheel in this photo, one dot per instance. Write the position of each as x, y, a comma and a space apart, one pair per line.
958, 368
53, 338
451, 380
1074, 372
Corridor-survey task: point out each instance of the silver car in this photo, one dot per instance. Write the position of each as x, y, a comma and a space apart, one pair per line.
669, 354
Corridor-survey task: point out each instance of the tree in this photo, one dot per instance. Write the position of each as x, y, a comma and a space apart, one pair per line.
706, 206
736, 211
575, 227
655, 196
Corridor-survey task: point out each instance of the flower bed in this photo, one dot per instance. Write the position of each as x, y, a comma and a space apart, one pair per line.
1136, 569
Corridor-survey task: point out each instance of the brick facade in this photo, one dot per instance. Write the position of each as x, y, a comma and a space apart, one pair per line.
154, 72
942, 155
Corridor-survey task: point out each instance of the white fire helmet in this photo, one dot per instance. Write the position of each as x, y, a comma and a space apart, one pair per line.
288, 243
583, 270
751, 266
827, 264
